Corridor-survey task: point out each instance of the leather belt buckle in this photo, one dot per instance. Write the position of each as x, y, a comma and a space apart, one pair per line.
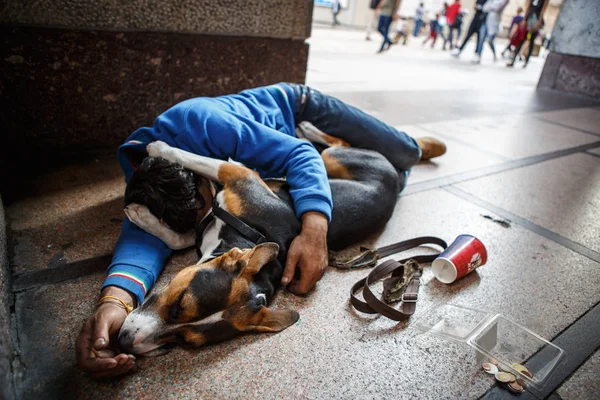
413, 297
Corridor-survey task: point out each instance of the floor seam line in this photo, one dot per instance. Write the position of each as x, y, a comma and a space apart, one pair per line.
580, 130
591, 154
525, 223
493, 169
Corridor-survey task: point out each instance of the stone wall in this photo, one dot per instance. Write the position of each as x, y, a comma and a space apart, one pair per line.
574, 64
6, 353
577, 31
266, 18
76, 75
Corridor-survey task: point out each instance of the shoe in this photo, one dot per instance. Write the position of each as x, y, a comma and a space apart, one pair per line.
510, 64
455, 53
430, 147
476, 59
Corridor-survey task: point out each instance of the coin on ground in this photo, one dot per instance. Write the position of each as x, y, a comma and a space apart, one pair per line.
504, 377
489, 368
518, 367
493, 361
504, 367
527, 373
515, 387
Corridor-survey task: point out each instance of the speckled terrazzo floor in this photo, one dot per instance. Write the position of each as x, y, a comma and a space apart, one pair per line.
542, 281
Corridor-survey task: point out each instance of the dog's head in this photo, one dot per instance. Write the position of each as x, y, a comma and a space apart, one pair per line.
173, 194
206, 303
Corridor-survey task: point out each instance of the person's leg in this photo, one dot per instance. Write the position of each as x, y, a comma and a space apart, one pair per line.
516, 54
417, 28
470, 32
435, 35
381, 29
356, 127
370, 26
531, 44
385, 29
450, 37
491, 42
481, 38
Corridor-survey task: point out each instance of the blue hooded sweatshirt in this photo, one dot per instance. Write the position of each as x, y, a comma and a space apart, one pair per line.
255, 127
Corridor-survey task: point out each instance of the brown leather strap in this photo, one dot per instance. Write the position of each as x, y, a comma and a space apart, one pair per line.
373, 305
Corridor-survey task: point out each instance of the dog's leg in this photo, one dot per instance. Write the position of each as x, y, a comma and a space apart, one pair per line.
306, 130
209, 168
143, 218
215, 170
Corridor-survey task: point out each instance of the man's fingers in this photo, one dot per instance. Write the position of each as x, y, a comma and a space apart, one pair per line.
290, 266
304, 285
101, 333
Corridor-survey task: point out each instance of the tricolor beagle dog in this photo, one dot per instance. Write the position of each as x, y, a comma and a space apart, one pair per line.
229, 290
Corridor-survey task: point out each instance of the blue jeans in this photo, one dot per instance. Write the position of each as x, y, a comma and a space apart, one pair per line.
356, 127
383, 27
418, 24
483, 34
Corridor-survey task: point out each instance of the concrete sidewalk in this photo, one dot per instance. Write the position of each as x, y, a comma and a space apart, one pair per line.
529, 156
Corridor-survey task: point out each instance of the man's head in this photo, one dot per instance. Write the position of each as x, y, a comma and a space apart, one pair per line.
169, 191
519, 10
206, 303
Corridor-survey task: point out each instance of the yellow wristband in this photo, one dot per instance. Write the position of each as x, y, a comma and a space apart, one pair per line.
128, 308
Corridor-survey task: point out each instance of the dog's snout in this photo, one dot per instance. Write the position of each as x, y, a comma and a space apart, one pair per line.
125, 341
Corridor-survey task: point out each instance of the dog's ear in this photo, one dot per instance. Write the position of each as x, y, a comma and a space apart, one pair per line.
259, 256
265, 320
274, 320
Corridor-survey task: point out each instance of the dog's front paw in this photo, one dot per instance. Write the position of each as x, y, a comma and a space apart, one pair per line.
160, 149
141, 216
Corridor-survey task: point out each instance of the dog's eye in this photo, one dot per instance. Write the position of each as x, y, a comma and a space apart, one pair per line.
176, 309
174, 312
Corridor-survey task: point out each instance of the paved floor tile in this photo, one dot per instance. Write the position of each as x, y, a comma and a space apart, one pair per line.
562, 195
71, 214
458, 158
584, 384
333, 351
587, 119
513, 136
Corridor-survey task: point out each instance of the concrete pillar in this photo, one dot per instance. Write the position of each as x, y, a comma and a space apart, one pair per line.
573, 65
83, 74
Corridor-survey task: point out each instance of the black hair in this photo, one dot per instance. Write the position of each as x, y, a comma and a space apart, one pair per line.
168, 190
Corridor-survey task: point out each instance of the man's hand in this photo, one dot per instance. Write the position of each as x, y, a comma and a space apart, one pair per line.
308, 252
96, 353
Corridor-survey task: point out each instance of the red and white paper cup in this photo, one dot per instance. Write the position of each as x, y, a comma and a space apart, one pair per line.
462, 257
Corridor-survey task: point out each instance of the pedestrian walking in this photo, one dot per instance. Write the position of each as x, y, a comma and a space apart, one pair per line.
401, 31
534, 21
336, 7
434, 27
514, 27
474, 27
419, 14
491, 27
451, 13
373, 11
387, 13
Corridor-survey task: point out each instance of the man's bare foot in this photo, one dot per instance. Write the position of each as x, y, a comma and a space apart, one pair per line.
430, 147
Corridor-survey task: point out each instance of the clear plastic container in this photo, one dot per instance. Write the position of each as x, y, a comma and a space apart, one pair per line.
493, 336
